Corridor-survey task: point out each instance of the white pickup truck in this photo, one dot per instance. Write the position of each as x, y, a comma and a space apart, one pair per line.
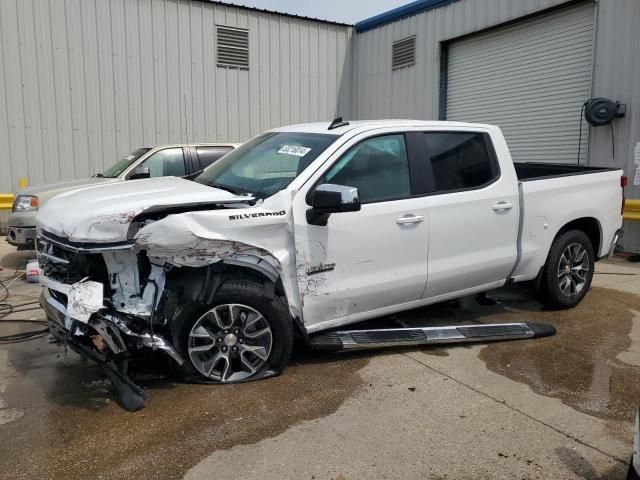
311, 228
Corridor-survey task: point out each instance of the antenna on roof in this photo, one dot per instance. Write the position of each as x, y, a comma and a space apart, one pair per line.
337, 122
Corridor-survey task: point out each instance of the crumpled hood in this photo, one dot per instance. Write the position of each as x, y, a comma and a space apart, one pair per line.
103, 213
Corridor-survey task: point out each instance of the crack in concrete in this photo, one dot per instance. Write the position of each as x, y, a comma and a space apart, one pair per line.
515, 409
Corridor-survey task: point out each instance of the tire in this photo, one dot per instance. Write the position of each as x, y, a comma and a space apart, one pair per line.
241, 335
568, 272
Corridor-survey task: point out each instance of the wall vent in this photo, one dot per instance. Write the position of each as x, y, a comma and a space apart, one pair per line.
232, 47
404, 53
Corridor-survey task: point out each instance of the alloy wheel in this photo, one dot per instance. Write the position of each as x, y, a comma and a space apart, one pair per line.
573, 270
230, 342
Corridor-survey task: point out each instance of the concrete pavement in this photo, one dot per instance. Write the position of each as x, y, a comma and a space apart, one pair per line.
551, 408
558, 407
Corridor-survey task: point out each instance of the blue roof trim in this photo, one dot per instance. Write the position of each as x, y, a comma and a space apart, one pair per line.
403, 11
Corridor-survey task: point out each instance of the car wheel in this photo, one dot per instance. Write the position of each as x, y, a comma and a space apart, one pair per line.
568, 273
241, 335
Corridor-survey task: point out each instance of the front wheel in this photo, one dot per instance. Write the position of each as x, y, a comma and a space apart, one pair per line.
568, 273
241, 335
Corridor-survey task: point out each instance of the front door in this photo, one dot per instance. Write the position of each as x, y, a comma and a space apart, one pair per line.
365, 261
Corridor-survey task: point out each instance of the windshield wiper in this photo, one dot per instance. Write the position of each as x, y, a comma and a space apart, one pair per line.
225, 187
99, 175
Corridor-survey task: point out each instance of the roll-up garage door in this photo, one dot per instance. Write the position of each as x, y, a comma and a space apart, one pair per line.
531, 79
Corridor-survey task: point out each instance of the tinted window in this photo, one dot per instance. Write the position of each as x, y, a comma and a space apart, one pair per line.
377, 167
165, 163
208, 155
266, 164
460, 160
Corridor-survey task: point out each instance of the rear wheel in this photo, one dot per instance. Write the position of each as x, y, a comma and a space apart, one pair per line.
240, 336
568, 273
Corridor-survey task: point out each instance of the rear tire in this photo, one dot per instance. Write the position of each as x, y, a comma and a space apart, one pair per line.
241, 335
568, 272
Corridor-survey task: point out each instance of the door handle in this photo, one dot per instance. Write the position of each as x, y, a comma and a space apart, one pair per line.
502, 206
407, 219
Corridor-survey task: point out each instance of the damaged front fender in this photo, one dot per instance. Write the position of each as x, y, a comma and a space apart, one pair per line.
172, 241
258, 238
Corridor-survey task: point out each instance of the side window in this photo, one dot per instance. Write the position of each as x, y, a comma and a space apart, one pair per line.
165, 163
460, 160
377, 167
208, 155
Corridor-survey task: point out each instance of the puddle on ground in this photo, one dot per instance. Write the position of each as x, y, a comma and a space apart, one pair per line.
78, 433
591, 364
581, 365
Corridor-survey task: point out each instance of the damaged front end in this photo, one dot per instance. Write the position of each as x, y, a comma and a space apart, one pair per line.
102, 302
115, 301
122, 265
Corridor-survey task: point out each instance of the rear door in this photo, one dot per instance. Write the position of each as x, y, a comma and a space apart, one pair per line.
473, 214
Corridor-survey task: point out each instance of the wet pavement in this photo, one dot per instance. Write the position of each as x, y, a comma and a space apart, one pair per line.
557, 407
73, 428
59, 419
589, 364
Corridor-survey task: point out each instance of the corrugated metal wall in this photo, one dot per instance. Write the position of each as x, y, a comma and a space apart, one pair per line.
414, 92
83, 82
617, 76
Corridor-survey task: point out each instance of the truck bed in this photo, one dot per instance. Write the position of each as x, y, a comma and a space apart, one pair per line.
528, 171
554, 195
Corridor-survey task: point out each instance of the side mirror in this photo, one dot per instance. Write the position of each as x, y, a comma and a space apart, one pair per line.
140, 172
329, 198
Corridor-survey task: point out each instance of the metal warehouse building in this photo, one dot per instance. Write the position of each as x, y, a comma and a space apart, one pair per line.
84, 82
526, 65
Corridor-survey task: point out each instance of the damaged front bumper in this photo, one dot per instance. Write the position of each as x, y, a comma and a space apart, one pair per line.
104, 337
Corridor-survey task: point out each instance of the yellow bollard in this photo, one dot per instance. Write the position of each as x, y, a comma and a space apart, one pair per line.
631, 209
6, 201
22, 182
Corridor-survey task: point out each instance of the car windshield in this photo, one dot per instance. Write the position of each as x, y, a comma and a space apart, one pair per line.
266, 164
122, 164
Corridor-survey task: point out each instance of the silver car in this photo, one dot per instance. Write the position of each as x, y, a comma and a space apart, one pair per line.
176, 160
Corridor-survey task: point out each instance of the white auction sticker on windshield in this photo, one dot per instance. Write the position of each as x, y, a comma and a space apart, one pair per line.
294, 150
129, 157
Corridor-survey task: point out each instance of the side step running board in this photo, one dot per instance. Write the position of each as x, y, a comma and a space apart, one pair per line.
394, 337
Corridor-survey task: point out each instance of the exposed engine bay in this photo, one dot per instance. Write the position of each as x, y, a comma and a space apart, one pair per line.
111, 301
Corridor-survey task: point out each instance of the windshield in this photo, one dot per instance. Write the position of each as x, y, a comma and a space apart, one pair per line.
267, 164
121, 165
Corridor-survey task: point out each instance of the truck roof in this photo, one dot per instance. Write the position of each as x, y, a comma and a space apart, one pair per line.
364, 125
